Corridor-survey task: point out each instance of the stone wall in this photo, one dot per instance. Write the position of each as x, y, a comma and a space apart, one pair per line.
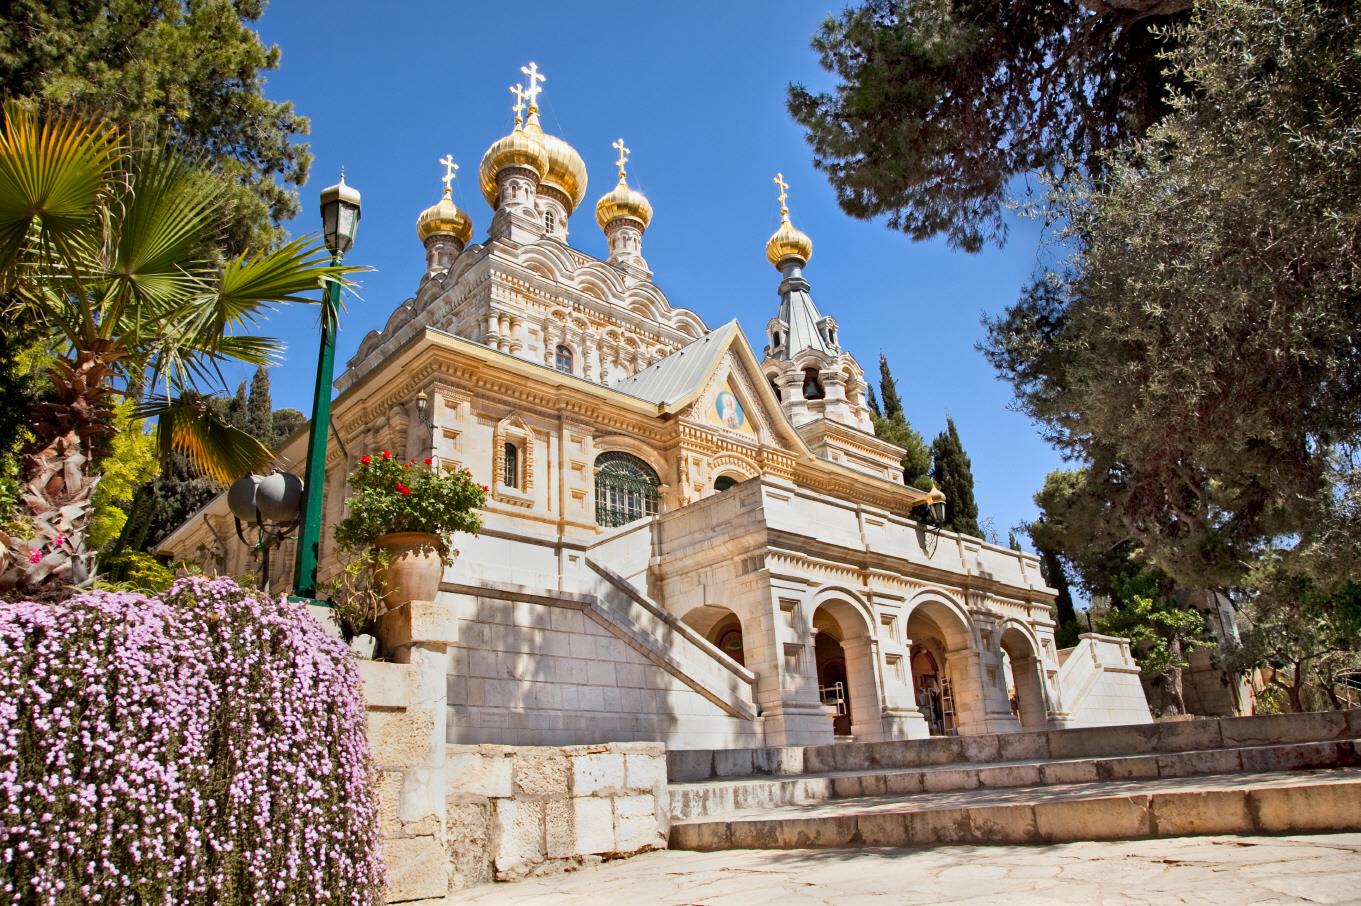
515, 811
538, 670
456, 815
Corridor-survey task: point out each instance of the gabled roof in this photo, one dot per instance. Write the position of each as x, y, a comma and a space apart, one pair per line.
682, 372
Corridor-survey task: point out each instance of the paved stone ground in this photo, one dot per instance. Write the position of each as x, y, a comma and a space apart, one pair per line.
1322, 868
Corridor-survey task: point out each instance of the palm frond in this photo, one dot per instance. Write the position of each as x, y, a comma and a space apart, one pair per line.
191, 425
52, 176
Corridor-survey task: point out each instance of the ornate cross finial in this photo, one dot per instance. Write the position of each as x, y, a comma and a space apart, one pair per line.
624, 153
450, 168
519, 91
784, 196
535, 77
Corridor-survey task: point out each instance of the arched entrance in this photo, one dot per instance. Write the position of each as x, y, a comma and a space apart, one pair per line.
939, 639
1025, 682
721, 628
847, 682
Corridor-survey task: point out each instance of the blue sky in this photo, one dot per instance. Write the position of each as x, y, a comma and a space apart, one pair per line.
697, 92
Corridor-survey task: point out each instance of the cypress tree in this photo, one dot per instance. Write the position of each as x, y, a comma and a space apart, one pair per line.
873, 401
238, 408
888, 388
953, 474
260, 408
1012, 541
1051, 567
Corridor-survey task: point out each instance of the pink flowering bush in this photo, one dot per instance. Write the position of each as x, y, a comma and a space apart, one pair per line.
205, 746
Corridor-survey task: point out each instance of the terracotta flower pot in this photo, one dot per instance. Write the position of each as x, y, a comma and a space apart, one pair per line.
414, 567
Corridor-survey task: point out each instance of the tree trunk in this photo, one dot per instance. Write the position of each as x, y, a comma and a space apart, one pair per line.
1175, 689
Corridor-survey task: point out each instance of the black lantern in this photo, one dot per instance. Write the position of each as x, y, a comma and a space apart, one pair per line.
339, 216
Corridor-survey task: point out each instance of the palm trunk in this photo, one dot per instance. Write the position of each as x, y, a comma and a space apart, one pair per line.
70, 428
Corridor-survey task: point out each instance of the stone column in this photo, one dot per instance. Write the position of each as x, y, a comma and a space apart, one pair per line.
862, 676
1028, 675
781, 648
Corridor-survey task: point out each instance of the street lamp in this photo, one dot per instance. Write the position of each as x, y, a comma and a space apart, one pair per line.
339, 222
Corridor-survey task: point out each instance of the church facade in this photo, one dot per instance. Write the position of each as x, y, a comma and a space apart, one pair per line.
685, 540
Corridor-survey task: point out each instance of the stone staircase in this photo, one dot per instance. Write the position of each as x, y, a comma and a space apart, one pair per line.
1278, 774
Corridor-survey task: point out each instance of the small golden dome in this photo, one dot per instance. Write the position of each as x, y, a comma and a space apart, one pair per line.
623, 202
519, 149
788, 242
566, 171
444, 217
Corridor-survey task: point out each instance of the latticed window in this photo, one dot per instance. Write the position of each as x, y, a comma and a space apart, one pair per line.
511, 473
562, 359
625, 489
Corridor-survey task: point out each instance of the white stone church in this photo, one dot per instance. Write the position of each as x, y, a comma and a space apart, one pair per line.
684, 541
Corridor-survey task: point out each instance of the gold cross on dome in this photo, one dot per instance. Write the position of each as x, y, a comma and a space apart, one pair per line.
519, 91
535, 77
450, 168
784, 196
624, 153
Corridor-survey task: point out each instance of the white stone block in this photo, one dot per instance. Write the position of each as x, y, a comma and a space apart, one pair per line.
593, 774
645, 772
475, 774
519, 837
636, 826
594, 825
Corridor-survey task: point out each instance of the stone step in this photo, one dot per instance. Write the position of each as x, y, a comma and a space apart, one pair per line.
720, 797
1259, 803
1087, 742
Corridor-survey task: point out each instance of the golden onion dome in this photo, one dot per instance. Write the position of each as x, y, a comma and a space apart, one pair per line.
519, 149
623, 202
444, 217
788, 242
566, 171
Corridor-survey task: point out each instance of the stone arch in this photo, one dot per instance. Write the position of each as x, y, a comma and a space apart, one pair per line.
688, 323
943, 659
721, 627
844, 653
734, 463
1026, 673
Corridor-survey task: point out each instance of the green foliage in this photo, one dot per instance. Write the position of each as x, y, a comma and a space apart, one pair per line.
287, 422
260, 408
1306, 640
130, 463
1197, 355
1161, 631
940, 103
893, 427
356, 593
138, 571
191, 72
953, 474
392, 496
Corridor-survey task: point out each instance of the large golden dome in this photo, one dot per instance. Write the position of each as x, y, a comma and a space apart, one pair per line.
623, 202
566, 171
519, 149
444, 217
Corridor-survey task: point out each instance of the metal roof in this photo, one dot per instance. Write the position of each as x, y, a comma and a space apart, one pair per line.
682, 371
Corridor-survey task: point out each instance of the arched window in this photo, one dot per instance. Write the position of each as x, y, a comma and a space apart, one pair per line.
511, 474
723, 482
831, 336
776, 387
562, 359
775, 339
812, 385
550, 222
625, 489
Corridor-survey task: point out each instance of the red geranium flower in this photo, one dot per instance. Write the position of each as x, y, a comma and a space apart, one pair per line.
429, 462
387, 455
366, 459
403, 489
484, 487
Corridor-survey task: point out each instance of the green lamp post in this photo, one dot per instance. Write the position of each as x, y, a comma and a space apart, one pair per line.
340, 221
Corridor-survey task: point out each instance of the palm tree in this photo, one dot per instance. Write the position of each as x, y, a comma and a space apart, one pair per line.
112, 252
